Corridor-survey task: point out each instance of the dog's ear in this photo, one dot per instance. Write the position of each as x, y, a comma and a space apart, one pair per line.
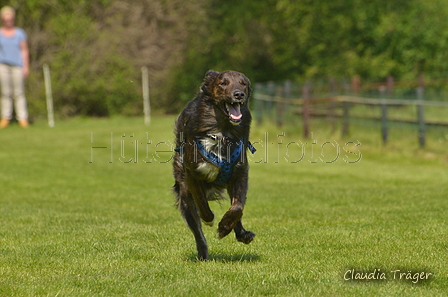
208, 79
249, 89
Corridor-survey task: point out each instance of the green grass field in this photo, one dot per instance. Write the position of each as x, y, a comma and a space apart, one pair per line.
77, 220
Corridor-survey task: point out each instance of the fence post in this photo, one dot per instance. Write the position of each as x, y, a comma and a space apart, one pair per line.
346, 105
345, 118
390, 85
48, 91
332, 94
384, 127
384, 123
306, 111
356, 84
146, 103
258, 103
420, 112
279, 105
287, 95
268, 105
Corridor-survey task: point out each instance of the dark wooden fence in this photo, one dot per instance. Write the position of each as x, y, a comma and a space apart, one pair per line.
336, 100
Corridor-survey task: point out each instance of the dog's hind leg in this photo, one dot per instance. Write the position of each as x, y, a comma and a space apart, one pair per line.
232, 218
190, 214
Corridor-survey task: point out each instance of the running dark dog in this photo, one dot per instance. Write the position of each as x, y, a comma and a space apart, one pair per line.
212, 138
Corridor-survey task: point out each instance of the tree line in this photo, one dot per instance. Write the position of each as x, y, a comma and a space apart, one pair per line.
96, 48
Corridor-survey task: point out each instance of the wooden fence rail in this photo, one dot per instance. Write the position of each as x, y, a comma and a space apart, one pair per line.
304, 106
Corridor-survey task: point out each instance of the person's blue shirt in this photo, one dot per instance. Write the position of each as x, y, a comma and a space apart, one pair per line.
10, 52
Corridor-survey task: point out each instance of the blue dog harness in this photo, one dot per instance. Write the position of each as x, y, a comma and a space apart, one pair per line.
225, 166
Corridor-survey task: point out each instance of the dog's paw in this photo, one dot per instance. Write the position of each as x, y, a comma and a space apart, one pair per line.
246, 237
212, 222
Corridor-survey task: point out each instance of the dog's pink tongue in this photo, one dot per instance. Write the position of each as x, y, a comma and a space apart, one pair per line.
235, 112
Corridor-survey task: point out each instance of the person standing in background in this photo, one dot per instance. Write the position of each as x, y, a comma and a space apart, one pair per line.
14, 68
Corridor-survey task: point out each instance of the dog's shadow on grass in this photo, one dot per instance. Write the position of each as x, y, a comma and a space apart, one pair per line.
227, 258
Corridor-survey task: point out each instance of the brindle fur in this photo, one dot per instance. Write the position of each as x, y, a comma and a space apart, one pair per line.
206, 115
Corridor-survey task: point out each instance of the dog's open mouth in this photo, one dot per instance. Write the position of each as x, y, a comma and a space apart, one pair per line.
234, 111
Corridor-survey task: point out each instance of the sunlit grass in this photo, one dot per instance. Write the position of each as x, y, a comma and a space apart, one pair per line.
79, 224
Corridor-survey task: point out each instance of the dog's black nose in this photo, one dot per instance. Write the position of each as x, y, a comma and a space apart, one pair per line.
239, 95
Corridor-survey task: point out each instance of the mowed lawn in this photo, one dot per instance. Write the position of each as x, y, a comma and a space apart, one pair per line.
87, 210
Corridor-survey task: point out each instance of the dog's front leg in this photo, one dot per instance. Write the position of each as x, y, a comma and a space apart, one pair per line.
243, 235
232, 218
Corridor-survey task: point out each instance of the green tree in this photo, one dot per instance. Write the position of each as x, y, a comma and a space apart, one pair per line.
96, 48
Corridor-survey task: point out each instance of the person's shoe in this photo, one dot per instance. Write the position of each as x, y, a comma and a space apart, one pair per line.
23, 123
4, 123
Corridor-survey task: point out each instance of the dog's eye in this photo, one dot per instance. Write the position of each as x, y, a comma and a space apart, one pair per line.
223, 83
243, 83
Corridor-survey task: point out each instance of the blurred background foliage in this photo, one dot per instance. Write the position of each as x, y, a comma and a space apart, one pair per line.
96, 48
